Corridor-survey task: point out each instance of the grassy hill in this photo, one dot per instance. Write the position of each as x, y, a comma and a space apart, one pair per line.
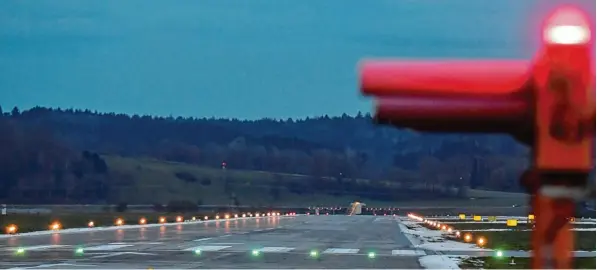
147, 181
151, 181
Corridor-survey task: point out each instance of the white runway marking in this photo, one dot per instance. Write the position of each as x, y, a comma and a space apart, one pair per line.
53, 265
207, 248
121, 253
407, 252
275, 249
341, 251
107, 247
203, 239
40, 247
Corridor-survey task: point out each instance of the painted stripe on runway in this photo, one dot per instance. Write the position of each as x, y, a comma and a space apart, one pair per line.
107, 247
275, 249
341, 251
39, 247
203, 239
407, 252
207, 248
54, 265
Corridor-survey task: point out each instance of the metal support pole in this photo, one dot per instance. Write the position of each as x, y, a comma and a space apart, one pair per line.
553, 200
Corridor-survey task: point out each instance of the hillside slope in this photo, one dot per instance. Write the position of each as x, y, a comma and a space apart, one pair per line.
147, 181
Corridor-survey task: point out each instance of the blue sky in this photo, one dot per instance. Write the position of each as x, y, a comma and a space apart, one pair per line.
234, 58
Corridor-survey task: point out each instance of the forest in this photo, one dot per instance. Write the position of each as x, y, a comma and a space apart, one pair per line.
54, 155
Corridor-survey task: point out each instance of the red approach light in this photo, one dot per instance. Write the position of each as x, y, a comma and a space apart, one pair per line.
547, 103
567, 26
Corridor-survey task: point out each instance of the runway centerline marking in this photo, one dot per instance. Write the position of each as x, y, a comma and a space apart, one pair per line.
207, 248
203, 239
407, 252
52, 265
121, 253
107, 247
275, 249
341, 251
39, 247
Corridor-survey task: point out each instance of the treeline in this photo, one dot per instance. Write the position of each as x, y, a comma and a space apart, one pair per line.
35, 167
58, 149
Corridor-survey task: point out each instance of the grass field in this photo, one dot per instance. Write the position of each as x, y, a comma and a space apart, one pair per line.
519, 239
489, 226
520, 263
154, 181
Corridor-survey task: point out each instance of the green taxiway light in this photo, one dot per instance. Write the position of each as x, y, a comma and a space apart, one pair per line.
371, 255
499, 253
197, 252
79, 251
313, 253
255, 252
20, 250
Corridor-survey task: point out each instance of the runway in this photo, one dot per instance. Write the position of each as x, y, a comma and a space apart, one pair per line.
279, 242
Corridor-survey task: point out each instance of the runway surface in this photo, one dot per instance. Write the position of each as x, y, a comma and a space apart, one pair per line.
269, 242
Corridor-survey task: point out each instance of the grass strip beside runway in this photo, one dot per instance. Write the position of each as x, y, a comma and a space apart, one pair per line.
521, 240
520, 263
489, 226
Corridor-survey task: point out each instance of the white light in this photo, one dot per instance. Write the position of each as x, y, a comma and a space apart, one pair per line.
567, 34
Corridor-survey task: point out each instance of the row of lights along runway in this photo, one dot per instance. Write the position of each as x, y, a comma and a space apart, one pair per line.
79, 251
56, 225
312, 253
455, 234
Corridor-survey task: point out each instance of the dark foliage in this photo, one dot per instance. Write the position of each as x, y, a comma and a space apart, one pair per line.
206, 181
121, 207
54, 155
186, 176
181, 206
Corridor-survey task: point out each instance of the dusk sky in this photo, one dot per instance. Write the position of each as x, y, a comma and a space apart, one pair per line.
243, 59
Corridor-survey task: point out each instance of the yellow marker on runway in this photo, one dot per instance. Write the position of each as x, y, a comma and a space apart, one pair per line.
511, 222
477, 218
